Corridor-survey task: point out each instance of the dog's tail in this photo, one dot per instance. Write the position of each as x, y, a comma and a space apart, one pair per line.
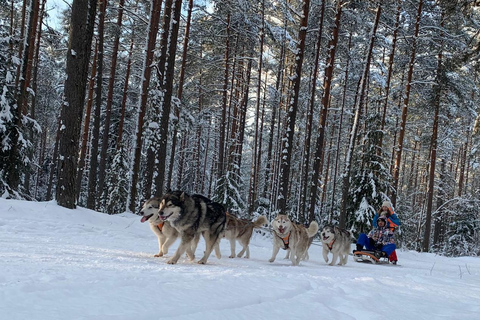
260, 222
312, 229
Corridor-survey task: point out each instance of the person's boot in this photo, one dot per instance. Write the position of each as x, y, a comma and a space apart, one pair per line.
359, 247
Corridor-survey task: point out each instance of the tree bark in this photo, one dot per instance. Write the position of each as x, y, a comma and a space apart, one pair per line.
108, 108
82, 24
287, 145
167, 100
396, 168
146, 74
327, 82
93, 170
356, 122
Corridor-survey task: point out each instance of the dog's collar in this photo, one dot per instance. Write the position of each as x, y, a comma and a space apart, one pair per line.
160, 226
285, 240
330, 245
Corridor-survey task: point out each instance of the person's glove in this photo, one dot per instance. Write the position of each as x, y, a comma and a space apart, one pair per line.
372, 242
378, 246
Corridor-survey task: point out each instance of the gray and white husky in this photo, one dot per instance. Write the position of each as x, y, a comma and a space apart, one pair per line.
337, 241
192, 216
165, 233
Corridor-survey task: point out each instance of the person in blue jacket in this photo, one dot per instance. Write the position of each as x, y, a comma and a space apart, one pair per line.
392, 219
380, 239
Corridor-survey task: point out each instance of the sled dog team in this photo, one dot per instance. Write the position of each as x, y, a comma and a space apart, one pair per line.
180, 215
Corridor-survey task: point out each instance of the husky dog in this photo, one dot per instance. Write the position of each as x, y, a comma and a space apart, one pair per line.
306, 257
241, 230
165, 233
190, 216
337, 241
288, 235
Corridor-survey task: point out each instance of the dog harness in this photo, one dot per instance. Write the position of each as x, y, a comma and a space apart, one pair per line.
285, 240
160, 226
330, 245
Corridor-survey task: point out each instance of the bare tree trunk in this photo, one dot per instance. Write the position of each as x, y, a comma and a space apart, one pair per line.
433, 150
93, 170
153, 144
287, 147
83, 21
124, 96
306, 164
108, 108
399, 148
356, 121
53, 162
223, 120
339, 136
23, 81
35, 64
252, 194
390, 71
167, 102
86, 124
181, 83
327, 82
147, 71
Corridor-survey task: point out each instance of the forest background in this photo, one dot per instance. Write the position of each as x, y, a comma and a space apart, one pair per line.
319, 109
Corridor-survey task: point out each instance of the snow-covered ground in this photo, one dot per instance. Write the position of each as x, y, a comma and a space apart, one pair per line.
57, 263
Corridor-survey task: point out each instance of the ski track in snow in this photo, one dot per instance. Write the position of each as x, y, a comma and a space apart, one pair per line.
79, 264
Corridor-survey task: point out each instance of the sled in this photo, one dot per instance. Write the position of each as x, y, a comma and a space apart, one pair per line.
369, 257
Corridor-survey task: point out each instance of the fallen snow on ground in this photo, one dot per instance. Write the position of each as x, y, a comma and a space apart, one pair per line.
79, 264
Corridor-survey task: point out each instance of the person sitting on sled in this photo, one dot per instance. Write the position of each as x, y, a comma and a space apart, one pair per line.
381, 239
393, 222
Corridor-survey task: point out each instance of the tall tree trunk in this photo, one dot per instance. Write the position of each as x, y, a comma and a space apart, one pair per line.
146, 74
93, 170
390, 71
327, 82
83, 21
108, 109
252, 194
86, 124
356, 122
399, 148
167, 102
287, 147
223, 119
339, 136
123, 107
23, 79
181, 82
153, 144
53, 163
34, 67
306, 161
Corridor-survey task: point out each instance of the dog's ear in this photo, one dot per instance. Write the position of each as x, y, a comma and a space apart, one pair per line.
182, 196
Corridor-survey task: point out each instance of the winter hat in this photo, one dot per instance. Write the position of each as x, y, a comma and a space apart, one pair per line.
387, 204
382, 218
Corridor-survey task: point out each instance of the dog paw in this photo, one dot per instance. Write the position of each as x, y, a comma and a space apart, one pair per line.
159, 255
231, 257
202, 261
271, 260
171, 261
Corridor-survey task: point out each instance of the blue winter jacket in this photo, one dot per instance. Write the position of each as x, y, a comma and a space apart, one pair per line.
392, 221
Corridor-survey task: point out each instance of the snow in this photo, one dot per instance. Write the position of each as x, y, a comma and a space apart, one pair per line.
79, 264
